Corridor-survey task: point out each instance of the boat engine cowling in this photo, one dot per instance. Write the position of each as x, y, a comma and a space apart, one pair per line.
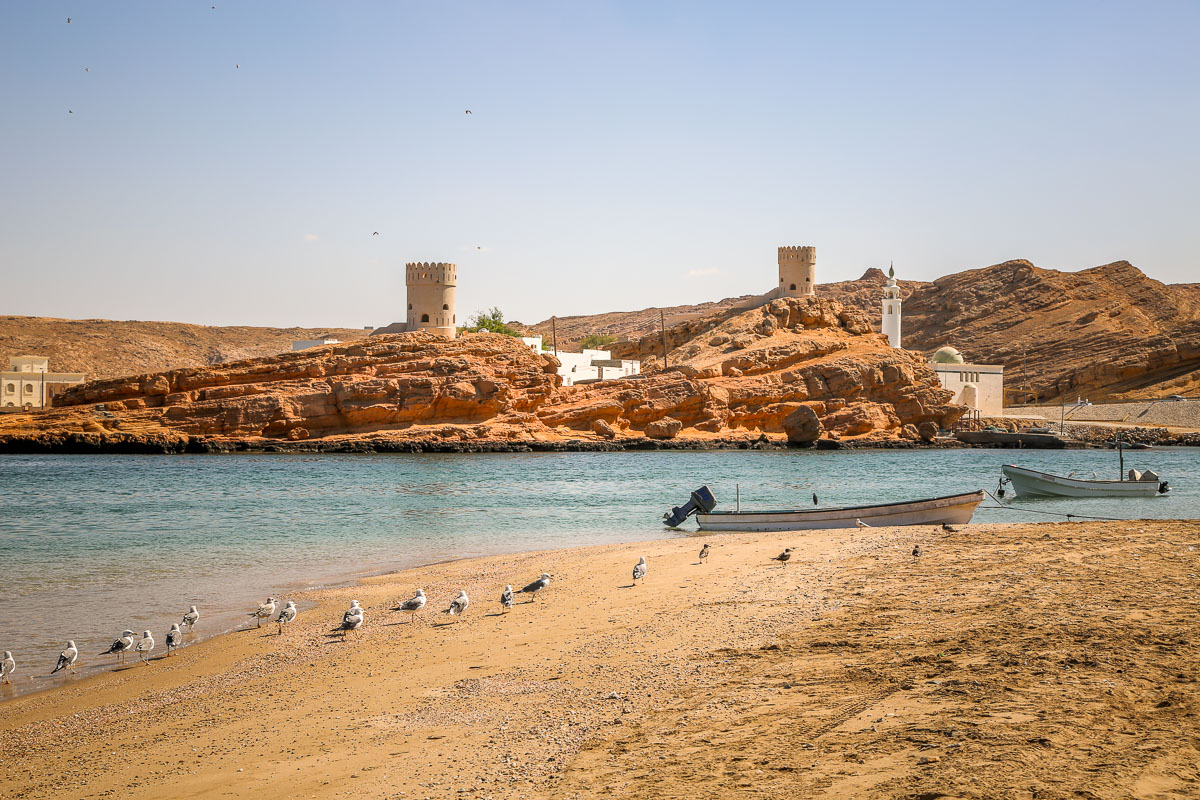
1164, 487
702, 500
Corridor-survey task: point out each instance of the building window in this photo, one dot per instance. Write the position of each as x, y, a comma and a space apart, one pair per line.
891, 310
424, 318
29, 387
410, 306
792, 287
445, 307
10, 388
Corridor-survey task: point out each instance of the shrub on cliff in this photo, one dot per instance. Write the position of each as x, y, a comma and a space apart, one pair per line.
491, 320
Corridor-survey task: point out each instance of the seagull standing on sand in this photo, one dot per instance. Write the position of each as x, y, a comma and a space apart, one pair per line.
413, 604
190, 618
948, 529
537, 586
916, 551
264, 611
120, 646
355, 611
639, 570
174, 638
861, 524
506, 597
352, 620
784, 557
286, 615
703, 553
66, 659
459, 604
145, 645
7, 667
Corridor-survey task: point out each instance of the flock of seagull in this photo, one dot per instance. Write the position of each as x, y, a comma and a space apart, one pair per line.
352, 620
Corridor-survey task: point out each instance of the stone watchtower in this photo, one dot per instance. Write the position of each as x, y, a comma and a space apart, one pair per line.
431, 288
797, 271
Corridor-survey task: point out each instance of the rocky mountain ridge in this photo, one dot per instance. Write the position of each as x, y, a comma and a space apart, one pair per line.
798, 370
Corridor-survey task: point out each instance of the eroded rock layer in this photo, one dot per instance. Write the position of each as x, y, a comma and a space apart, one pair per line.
739, 377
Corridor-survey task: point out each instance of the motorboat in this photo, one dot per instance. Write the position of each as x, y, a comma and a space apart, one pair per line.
1027, 482
951, 509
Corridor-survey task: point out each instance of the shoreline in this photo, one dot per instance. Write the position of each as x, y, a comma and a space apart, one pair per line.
827, 668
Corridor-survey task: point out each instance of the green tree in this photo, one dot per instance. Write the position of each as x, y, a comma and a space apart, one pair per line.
491, 320
595, 341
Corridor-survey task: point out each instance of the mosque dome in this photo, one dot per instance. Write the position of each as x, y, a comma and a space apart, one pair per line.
947, 355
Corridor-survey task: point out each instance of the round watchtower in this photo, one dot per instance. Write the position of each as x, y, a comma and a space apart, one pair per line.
431, 288
797, 271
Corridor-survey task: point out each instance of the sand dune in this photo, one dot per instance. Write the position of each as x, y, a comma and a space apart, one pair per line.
1007, 661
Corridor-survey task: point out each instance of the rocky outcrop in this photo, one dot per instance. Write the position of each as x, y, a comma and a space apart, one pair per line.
807, 360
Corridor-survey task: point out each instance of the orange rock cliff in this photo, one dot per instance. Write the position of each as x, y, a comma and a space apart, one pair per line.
796, 369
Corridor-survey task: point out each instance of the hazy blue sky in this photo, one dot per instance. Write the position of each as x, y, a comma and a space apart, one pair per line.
618, 155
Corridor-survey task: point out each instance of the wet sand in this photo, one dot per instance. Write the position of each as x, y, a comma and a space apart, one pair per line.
1055, 660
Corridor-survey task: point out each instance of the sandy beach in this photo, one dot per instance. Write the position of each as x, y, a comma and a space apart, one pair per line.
1055, 660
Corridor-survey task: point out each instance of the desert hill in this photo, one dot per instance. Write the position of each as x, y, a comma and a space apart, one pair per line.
1109, 332
795, 369
104, 348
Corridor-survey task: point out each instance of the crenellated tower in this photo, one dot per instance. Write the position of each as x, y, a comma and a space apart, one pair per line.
797, 271
431, 290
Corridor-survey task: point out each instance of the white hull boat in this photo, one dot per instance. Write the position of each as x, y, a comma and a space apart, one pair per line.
1030, 482
953, 509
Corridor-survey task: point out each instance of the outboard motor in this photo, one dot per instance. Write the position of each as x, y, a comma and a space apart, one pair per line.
1164, 487
702, 500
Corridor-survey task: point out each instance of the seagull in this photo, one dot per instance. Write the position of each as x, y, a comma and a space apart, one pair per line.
69, 111
237, 66
413, 604
639, 570
916, 550
783, 557
814, 498
87, 69
68, 20
145, 645
355, 611
948, 529
286, 615
120, 645
468, 110
7, 667
66, 659
351, 621
376, 233
703, 553
190, 618
861, 524
538, 585
506, 597
264, 611
459, 604
174, 638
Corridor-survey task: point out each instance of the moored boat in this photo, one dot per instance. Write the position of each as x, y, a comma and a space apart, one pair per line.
1029, 482
951, 509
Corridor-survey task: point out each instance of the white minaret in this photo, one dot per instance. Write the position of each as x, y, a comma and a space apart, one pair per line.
891, 308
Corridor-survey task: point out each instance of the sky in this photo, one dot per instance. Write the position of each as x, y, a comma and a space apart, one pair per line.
230, 165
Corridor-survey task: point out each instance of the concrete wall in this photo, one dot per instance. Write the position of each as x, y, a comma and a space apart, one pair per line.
988, 380
27, 388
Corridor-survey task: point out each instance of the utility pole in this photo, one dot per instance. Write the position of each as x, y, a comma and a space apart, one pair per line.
662, 324
554, 335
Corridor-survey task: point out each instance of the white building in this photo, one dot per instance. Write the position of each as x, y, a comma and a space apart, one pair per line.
304, 344
977, 386
29, 383
590, 365
891, 309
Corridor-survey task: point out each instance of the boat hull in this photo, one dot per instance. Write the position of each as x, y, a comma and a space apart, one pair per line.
1032, 483
954, 509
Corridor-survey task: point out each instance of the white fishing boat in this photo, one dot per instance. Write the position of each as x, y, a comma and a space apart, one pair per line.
1030, 482
952, 509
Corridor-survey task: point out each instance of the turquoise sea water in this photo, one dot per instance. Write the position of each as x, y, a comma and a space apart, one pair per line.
90, 545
